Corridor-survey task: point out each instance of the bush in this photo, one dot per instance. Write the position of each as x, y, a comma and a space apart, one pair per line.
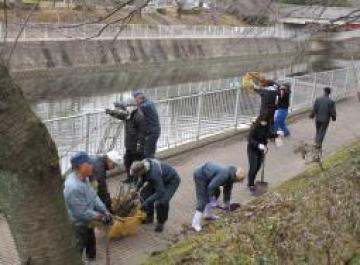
261, 20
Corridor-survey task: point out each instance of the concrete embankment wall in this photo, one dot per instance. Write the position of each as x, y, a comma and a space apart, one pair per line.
65, 54
348, 49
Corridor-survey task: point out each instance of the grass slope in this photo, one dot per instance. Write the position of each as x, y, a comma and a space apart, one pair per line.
311, 219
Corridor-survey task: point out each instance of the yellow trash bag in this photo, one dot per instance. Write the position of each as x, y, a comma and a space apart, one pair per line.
126, 226
247, 81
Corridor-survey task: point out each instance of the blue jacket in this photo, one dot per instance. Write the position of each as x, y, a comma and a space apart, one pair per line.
158, 176
81, 200
216, 175
99, 171
151, 115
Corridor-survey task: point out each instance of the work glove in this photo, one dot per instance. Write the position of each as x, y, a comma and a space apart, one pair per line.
261, 147
139, 148
107, 219
213, 202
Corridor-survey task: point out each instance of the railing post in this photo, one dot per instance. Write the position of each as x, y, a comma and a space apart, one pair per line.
46, 33
332, 84
199, 110
169, 125
346, 83
87, 133
293, 89
237, 104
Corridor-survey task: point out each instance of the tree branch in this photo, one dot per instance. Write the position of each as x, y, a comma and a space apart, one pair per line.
21, 31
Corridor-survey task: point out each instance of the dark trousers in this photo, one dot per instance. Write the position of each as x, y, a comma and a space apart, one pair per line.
129, 157
256, 158
151, 144
162, 205
321, 128
103, 193
268, 113
85, 237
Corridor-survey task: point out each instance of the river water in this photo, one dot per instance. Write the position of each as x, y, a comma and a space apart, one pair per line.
73, 94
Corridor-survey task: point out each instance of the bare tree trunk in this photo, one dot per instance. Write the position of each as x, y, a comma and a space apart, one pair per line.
30, 183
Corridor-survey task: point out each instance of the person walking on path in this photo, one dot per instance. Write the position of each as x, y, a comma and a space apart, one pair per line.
257, 147
282, 109
135, 130
162, 181
83, 204
323, 110
152, 124
208, 178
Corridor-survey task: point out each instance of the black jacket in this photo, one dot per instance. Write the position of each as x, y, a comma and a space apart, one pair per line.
151, 115
159, 175
259, 135
324, 109
268, 100
284, 99
134, 128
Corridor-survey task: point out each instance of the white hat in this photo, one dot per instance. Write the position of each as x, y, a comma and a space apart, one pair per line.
114, 156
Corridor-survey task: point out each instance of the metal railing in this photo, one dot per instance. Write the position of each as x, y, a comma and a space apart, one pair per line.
43, 31
192, 117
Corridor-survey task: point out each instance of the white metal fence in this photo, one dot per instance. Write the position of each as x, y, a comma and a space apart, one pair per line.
44, 31
192, 117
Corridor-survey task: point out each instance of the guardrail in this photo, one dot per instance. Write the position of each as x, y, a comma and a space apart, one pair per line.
193, 117
44, 31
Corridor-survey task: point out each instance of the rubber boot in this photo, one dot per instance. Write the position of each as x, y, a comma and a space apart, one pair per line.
149, 217
209, 215
162, 211
196, 221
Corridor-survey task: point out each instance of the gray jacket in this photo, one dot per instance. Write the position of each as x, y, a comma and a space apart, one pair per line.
81, 200
215, 175
324, 109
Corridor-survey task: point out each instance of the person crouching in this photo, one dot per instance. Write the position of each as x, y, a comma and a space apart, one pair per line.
162, 182
208, 178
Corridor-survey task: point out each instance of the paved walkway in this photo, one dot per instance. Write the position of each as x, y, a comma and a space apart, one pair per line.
281, 165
